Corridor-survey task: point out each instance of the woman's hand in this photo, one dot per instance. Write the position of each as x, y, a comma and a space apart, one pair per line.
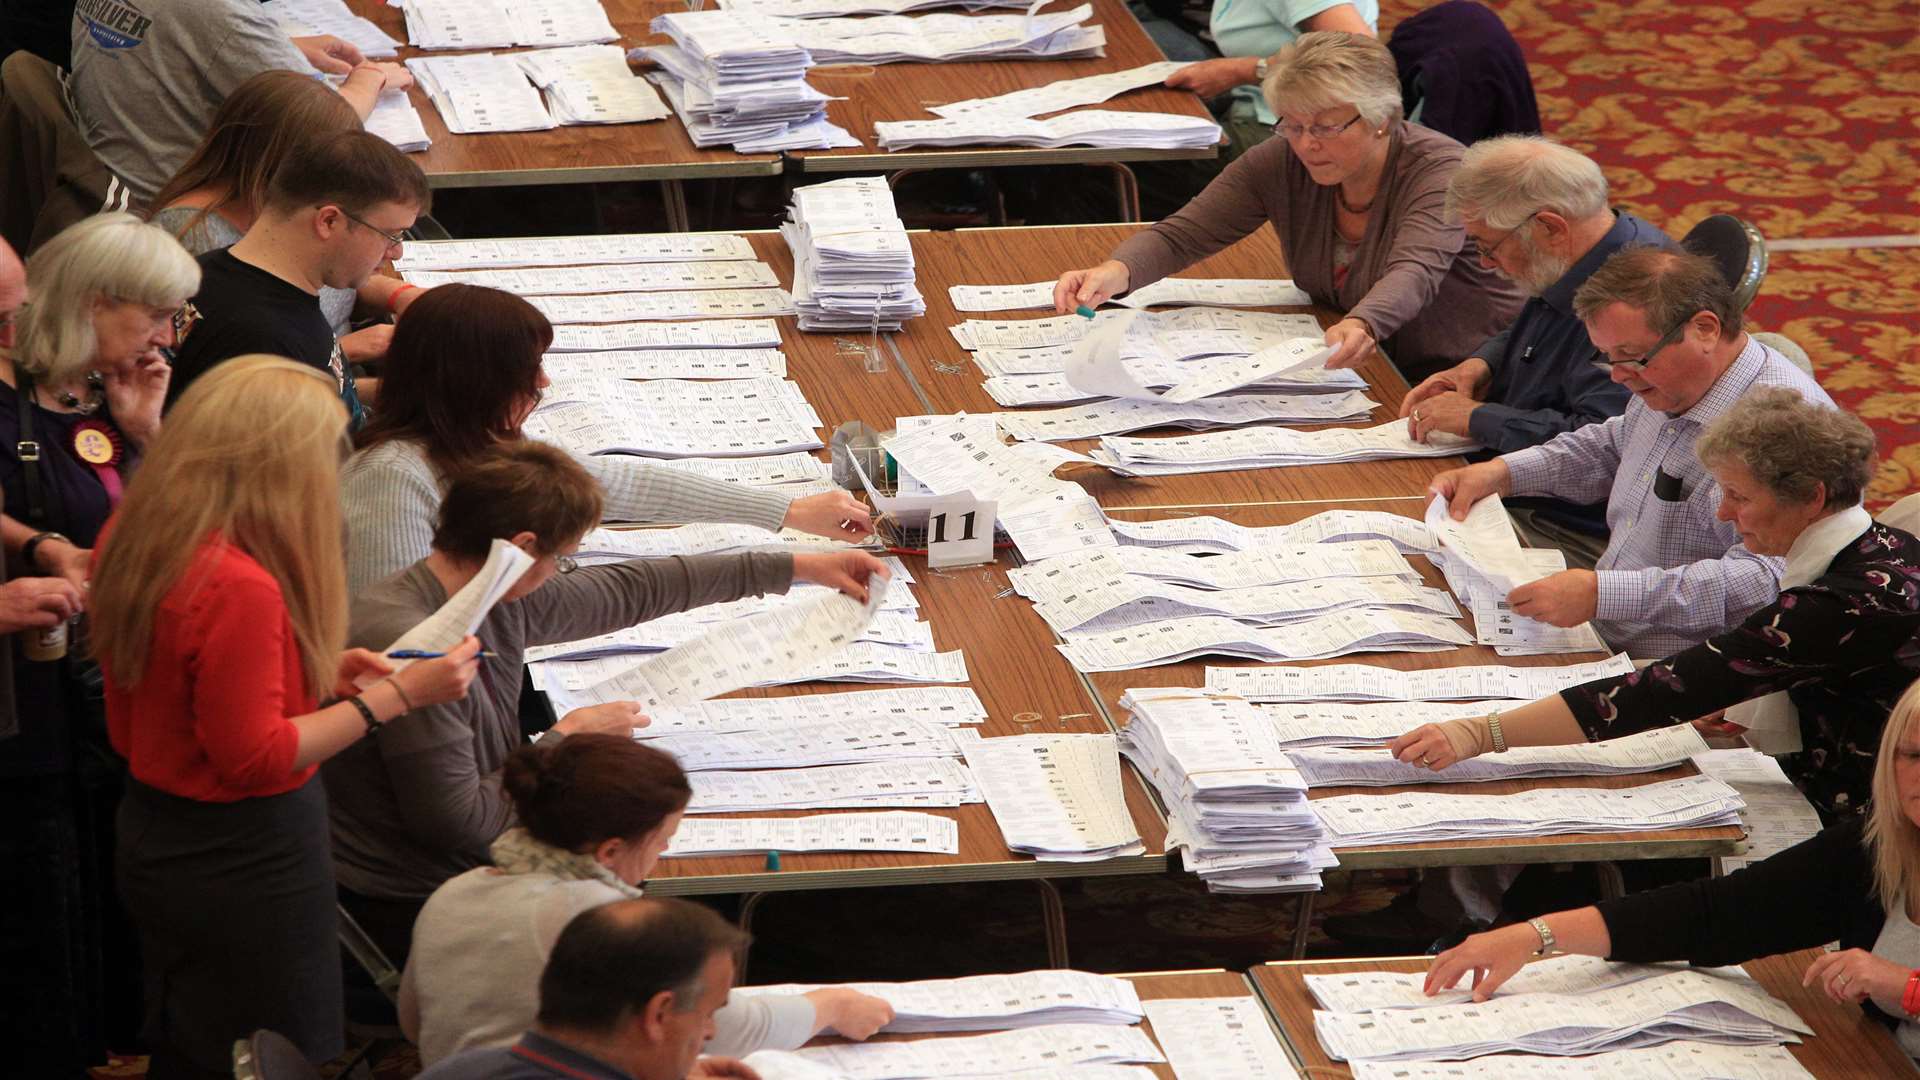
850, 1013
612, 718
1353, 342
835, 514
63, 560
1211, 78
444, 679
367, 344
1492, 958
851, 572
1850, 976
136, 397
1437, 746
356, 664
328, 54
1090, 287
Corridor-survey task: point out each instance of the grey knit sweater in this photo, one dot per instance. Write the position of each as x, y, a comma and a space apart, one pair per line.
392, 494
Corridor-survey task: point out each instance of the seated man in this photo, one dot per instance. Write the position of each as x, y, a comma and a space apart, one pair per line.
334, 210
1538, 213
1672, 573
628, 993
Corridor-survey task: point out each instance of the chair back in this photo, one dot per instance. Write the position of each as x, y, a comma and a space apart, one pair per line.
1737, 247
269, 1055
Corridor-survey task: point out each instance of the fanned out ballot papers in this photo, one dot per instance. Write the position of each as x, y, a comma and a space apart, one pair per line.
617, 278
465, 610
305, 18
1777, 816
998, 1054
852, 262
1271, 447
1678, 1005
915, 782
1365, 682
1093, 603
1218, 1039
953, 705
1693, 802
1218, 292
1105, 129
1273, 566
480, 92
817, 9
1674, 1061
1236, 808
796, 473
590, 84
1174, 335
1064, 94
1096, 364
1646, 751
891, 628
1118, 416
1337, 634
667, 364
703, 334
617, 545
1208, 535
993, 1002
396, 120
1313, 725
775, 1065
678, 429
896, 830
736, 77
927, 39
690, 304
1565, 973
835, 742
508, 253
496, 24
1056, 797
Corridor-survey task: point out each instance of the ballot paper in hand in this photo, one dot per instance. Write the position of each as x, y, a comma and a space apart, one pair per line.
1485, 542
465, 610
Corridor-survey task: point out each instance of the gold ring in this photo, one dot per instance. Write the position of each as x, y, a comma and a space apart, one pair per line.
1424, 761
1416, 415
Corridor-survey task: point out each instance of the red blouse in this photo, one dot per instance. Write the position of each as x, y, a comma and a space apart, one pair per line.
208, 718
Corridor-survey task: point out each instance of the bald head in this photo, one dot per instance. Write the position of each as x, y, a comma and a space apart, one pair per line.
13, 291
1503, 180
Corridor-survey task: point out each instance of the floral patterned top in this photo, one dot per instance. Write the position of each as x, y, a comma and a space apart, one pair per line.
1843, 647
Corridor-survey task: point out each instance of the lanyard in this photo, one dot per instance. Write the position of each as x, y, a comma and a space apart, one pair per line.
545, 1062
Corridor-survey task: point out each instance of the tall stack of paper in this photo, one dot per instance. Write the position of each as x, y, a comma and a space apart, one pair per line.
480, 92
1056, 797
1694, 802
1236, 808
852, 263
590, 84
740, 79
304, 18
1107, 129
994, 1002
1269, 447
1646, 751
396, 120
936, 38
492, 24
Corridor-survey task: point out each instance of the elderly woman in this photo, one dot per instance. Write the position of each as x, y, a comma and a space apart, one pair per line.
1356, 196
1858, 882
1827, 658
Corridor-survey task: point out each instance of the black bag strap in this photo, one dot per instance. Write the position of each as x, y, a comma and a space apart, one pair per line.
28, 451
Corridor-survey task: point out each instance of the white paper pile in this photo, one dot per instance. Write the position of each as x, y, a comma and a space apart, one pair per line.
396, 120
952, 705
512, 252
702, 334
815, 9
1272, 566
663, 397
480, 92
1270, 447
1365, 682
1055, 35
1678, 1005
896, 830
792, 473
1674, 1061
617, 545
1169, 642
1118, 415
895, 629
614, 278
1015, 388
723, 423
1302, 726
306, 18
1236, 808
1216, 292
740, 79
1106, 129
1173, 335
495, 24
993, 1002
1646, 751
835, 742
1056, 797
1095, 603
667, 364
1564, 973
910, 783
852, 263
1002, 1054
689, 304
1219, 1039
1207, 535
1694, 802
1064, 94
1777, 815
590, 84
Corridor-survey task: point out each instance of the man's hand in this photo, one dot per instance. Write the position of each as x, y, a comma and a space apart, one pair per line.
368, 343
849, 1013
1448, 413
1211, 78
65, 561
36, 603
1468, 377
1567, 598
834, 514
1465, 486
721, 1068
328, 54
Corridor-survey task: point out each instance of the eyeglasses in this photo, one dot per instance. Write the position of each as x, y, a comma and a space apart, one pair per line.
1495, 249
396, 239
1646, 358
1289, 130
565, 564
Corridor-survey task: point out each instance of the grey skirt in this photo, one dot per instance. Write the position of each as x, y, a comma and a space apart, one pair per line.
234, 903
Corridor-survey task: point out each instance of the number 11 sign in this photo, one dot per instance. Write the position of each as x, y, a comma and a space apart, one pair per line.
959, 532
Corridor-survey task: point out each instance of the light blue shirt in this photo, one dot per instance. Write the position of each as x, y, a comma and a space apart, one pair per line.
1261, 27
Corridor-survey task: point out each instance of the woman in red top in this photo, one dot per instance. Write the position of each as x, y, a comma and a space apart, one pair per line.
219, 615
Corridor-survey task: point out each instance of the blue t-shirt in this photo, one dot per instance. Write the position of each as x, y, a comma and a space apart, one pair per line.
1262, 27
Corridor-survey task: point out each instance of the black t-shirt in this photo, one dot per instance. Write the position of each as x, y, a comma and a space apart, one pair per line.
243, 309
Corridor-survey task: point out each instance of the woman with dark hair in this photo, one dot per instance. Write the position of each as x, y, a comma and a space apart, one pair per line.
595, 813
461, 375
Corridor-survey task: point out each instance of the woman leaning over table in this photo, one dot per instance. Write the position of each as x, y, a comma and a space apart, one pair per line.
1832, 652
595, 813
1356, 196
219, 617
1858, 882
462, 373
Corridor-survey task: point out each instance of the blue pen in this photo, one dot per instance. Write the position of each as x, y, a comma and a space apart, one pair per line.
422, 654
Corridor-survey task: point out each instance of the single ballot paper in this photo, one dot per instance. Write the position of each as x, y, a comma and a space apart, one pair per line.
464, 611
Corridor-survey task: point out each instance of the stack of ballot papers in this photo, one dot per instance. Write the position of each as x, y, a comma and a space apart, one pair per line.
852, 263
1270, 566
396, 120
1694, 802
642, 306
1219, 1039
1208, 535
911, 783
1270, 447
675, 429
1048, 1048
307, 18
1172, 640
1311, 725
1056, 797
1674, 1061
1094, 602
1106, 129
497, 24
740, 79
1174, 335
1118, 415
834, 742
590, 84
480, 92
893, 830
993, 1002
667, 364
1236, 807
951, 705
817, 9
614, 278
1365, 682
510, 252
1217, 292
1483, 561
1646, 751
1054, 35
1098, 364
1581, 1009
618, 545
1055, 96
1777, 816
701, 334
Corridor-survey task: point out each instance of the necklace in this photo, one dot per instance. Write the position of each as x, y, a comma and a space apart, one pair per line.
1340, 193
96, 396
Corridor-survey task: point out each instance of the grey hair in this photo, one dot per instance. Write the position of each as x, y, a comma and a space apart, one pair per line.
1790, 445
105, 257
1324, 69
1504, 179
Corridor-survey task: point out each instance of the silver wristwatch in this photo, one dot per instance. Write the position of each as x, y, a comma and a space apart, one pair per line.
1260, 69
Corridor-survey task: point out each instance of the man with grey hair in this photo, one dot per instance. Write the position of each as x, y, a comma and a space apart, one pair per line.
1538, 213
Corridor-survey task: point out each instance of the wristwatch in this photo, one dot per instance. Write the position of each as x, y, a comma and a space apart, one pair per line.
1260, 69
1546, 935
32, 547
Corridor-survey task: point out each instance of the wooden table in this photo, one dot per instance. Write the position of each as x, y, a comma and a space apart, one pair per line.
1845, 1043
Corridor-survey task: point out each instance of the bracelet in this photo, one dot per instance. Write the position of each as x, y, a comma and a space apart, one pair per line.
1493, 729
1547, 942
404, 699
32, 547
393, 298
1910, 1000
373, 725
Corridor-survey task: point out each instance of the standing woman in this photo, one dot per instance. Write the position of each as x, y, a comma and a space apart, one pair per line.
220, 612
1357, 197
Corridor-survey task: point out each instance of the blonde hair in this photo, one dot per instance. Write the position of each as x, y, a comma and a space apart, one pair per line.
111, 257
252, 453
1325, 69
1791, 444
1892, 837
1504, 180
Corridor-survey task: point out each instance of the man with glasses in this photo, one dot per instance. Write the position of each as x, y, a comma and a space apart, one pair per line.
1537, 212
335, 210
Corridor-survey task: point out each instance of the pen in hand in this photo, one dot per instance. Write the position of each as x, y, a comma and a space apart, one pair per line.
423, 654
